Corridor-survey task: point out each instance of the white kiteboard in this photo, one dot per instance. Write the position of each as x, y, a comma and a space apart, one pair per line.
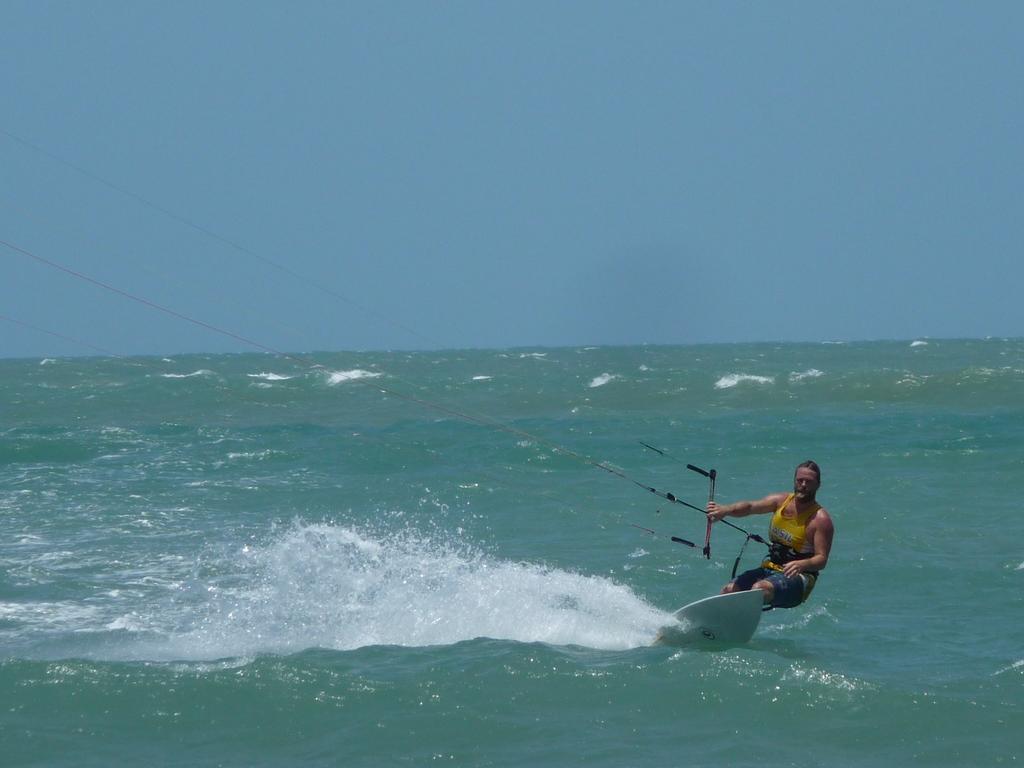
728, 619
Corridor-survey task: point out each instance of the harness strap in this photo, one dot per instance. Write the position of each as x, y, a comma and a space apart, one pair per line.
736, 565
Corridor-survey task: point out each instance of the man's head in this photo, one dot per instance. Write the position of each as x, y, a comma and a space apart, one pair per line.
806, 481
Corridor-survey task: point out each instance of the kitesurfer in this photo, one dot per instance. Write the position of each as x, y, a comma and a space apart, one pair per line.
801, 537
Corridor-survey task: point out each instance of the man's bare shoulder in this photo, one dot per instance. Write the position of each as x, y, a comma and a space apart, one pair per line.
822, 519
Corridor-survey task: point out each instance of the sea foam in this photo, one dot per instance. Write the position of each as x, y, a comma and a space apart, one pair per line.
269, 376
810, 373
733, 379
600, 381
200, 372
340, 377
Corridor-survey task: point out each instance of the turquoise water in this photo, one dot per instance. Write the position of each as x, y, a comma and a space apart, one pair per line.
245, 560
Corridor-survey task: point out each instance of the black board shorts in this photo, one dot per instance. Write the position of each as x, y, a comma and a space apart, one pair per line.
790, 591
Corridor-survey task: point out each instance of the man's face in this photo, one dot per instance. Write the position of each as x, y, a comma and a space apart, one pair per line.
805, 484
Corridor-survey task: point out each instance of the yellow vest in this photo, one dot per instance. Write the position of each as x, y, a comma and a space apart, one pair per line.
789, 536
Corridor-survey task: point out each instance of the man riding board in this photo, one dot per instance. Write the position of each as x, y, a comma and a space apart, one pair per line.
801, 537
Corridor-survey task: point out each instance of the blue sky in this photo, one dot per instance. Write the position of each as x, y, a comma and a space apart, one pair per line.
402, 175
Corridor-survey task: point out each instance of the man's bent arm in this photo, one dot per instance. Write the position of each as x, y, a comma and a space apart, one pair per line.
822, 547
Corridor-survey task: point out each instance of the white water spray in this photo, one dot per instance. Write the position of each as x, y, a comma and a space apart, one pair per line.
334, 587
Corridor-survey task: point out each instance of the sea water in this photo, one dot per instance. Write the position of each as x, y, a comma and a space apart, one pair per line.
413, 558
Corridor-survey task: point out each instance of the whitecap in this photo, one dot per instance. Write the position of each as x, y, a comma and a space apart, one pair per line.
47, 361
269, 376
200, 372
810, 373
115, 431
1016, 665
600, 381
535, 355
919, 343
482, 378
731, 380
339, 377
249, 455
